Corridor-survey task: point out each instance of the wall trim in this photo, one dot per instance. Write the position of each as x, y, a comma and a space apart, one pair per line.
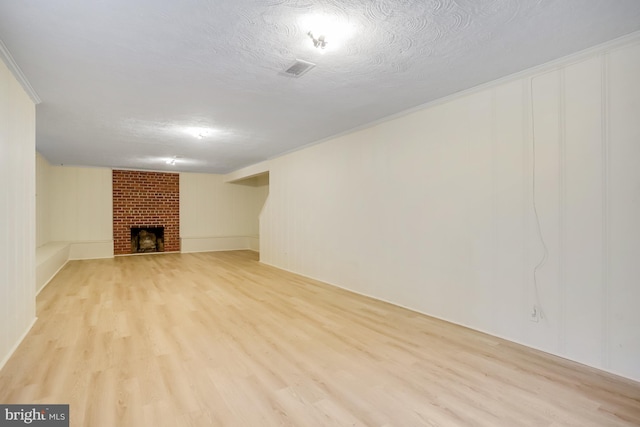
50, 259
635, 381
51, 278
12, 65
17, 344
99, 249
552, 65
215, 244
247, 172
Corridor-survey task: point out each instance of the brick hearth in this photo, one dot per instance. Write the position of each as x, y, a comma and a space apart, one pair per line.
145, 199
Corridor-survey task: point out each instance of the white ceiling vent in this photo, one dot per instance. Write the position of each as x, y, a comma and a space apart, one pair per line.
298, 68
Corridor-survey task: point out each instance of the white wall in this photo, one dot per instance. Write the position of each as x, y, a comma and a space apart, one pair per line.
73, 216
81, 203
434, 210
17, 213
43, 224
78, 207
215, 215
74, 205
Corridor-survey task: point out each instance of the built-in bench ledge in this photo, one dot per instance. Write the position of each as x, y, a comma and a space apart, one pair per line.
221, 243
52, 256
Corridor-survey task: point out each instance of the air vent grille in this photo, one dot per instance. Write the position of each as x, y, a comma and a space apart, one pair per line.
298, 68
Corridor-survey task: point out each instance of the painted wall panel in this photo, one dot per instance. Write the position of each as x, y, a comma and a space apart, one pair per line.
72, 205
211, 208
435, 210
623, 185
479, 210
509, 175
17, 213
43, 178
583, 204
80, 203
547, 142
94, 204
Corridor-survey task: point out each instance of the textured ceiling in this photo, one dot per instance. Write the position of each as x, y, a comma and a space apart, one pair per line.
121, 80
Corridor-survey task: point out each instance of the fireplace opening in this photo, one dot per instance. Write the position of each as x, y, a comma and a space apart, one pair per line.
147, 239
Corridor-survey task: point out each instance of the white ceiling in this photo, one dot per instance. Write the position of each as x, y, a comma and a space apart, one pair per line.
121, 79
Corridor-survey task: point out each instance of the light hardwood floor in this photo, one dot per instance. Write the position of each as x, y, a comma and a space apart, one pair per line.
220, 339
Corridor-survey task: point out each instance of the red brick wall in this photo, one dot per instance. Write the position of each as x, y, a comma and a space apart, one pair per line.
145, 199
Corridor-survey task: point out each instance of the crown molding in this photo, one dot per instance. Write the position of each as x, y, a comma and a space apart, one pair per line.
590, 52
18, 74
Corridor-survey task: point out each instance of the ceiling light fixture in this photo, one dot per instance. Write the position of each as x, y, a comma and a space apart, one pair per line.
319, 42
324, 27
199, 132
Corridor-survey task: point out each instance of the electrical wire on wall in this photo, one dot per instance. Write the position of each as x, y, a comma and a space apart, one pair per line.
545, 256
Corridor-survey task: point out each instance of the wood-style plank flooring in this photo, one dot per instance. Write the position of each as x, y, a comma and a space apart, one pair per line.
220, 339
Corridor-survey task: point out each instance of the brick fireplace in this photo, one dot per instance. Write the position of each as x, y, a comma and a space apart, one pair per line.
145, 201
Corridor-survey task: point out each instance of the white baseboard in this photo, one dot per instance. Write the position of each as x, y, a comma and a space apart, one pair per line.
48, 279
50, 258
91, 249
474, 328
17, 344
254, 243
53, 256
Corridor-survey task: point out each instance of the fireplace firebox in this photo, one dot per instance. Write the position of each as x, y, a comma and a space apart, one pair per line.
147, 239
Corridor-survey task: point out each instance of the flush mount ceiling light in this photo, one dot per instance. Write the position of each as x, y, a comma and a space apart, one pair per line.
153, 162
327, 32
173, 160
199, 132
318, 42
